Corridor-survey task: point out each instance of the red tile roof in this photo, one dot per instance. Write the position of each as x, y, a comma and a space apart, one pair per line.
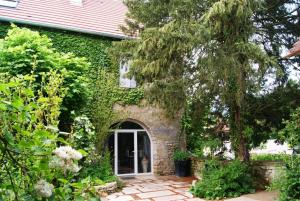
99, 17
295, 50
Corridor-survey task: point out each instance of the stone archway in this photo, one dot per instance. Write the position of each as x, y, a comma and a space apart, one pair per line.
164, 133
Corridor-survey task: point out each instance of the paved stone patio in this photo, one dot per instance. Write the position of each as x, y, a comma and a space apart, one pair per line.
170, 188
151, 188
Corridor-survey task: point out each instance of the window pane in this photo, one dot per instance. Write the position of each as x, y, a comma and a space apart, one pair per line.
125, 153
124, 80
9, 3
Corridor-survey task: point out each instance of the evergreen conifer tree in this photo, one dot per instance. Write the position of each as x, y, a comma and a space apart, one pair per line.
200, 48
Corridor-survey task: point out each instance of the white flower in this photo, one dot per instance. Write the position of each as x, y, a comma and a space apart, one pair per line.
44, 188
67, 152
206, 151
56, 163
73, 167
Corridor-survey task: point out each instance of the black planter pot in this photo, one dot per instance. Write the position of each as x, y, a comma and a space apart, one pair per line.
183, 168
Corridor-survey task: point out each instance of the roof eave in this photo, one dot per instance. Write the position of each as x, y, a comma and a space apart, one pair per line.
55, 26
295, 51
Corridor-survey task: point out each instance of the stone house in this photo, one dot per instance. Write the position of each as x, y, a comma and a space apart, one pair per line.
145, 141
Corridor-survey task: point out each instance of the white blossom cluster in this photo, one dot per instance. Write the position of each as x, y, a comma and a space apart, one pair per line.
43, 188
67, 152
84, 122
65, 157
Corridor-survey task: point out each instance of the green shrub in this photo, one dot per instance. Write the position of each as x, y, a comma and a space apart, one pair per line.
270, 157
28, 52
289, 183
290, 133
99, 169
180, 155
222, 180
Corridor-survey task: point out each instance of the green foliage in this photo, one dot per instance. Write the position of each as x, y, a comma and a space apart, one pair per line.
24, 51
270, 157
96, 166
290, 189
93, 48
26, 144
278, 30
290, 133
202, 128
181, 155
288, 183
224, 180
29, 135
83, 136
85, 189
100, 169
129, 96
266, 112
32, 167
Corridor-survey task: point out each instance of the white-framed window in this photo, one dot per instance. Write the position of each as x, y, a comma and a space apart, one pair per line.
126, 82
9, 3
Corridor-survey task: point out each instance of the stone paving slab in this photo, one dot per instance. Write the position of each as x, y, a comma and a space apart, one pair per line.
171, 188
264, 196
170, 198
155, 194
241, 199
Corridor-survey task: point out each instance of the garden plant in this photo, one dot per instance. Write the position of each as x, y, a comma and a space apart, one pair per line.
38, 162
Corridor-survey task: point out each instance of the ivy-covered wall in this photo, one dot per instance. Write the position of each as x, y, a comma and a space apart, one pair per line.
93, 48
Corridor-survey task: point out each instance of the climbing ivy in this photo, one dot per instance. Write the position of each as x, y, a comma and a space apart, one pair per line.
94, 48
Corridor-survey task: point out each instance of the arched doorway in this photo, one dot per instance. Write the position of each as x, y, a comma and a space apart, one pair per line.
131, 149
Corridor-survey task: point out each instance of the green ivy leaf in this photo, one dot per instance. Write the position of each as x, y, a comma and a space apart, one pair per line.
17, 103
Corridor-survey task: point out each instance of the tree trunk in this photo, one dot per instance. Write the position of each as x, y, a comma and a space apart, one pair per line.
242, 151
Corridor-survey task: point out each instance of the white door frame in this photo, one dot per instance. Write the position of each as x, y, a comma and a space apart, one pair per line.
134, 132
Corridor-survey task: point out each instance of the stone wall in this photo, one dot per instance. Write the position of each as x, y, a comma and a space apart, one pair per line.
164, 133
269, 170
197, 167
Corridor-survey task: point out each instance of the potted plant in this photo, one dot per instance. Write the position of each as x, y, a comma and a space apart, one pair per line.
182, 163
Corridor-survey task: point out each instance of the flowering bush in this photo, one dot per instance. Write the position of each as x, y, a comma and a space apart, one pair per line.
65, 159
32, 167
43, 188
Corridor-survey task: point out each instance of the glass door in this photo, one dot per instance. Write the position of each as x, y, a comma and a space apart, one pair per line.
144, 152
125, 153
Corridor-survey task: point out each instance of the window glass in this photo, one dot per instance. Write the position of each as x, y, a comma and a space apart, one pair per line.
126, 82
9, 3
144, 152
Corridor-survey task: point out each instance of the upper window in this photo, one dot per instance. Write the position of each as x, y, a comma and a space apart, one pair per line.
9, 3
124, 80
